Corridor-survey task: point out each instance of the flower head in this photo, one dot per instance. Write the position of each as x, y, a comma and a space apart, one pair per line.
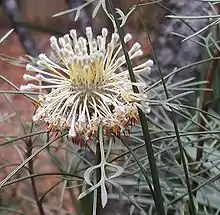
88, 85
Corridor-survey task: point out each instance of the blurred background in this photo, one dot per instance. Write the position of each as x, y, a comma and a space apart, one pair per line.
34, 24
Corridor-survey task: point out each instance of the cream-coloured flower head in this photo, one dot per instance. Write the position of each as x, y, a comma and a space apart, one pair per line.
88, 85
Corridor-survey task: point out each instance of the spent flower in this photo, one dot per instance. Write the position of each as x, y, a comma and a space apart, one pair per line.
88, 83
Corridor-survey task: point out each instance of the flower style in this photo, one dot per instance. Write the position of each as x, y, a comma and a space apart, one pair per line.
88, 85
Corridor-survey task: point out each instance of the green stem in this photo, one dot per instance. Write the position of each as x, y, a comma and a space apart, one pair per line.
148, 144
192, 208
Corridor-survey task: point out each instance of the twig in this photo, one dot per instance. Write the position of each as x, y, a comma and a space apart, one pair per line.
31, 171
205, 103
204, 107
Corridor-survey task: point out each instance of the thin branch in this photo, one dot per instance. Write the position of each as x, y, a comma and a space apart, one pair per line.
29, 144
210, 74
